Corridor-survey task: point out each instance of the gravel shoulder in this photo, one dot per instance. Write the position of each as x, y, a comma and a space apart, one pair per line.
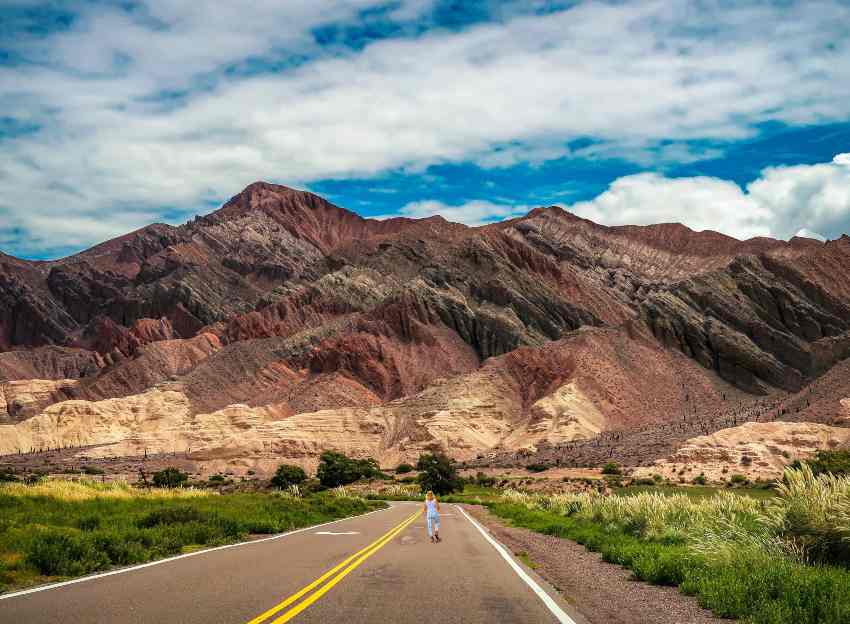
601, 592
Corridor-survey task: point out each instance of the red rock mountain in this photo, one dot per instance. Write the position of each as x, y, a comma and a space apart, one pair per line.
281, 324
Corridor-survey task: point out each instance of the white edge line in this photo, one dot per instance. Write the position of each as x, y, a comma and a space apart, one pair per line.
205, 551
562, 617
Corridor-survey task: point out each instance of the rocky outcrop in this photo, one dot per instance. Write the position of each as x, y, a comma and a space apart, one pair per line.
754, 450
20, 400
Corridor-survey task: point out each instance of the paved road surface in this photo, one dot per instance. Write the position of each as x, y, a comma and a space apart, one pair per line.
379, 567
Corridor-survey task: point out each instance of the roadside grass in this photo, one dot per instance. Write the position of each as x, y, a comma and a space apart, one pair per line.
693, 491
60, 529
783, 559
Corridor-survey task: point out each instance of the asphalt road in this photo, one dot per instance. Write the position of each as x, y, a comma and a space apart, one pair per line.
380, 567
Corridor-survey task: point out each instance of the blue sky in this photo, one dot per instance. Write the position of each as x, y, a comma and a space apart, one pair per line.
732, 116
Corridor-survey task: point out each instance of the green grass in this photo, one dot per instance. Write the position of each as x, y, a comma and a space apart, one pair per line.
693, 491
57, 531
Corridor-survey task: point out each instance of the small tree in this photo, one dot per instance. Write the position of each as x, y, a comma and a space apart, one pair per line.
612, 468
336, 469
170, 477
287, 475
404, 468
437, 473
832, 462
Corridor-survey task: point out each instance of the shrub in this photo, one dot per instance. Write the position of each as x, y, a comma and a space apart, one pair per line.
643, 481
170, 477
7, 475
612, 468
336, 469
830, 462
216, 478
484, 481
93, 470
812, 512
537, 467
404, 469
288, 475
437, 473
64, 553
699, 479
170, 515
738, 479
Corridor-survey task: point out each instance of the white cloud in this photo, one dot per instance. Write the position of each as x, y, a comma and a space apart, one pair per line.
700, 203
842, 159
629, 75
804, 233
781, 202
475, 212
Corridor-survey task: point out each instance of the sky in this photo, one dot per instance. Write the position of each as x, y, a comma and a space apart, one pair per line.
725, 115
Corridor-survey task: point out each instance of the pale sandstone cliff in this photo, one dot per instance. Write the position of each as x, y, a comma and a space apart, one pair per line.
756, 450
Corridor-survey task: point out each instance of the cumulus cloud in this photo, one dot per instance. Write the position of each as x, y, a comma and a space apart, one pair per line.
475, 212
171, 106
779, 203
842, 159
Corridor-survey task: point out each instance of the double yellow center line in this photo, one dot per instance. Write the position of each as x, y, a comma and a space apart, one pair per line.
330, 578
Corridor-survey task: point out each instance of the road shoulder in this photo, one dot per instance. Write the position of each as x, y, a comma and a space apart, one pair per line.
602, 592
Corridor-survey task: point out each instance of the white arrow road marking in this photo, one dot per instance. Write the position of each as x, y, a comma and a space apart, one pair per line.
340, 533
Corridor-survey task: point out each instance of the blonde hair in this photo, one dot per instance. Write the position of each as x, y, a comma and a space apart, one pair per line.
430, 495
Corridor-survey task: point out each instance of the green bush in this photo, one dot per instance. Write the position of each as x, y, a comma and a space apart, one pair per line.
169, 478
483, 480
65, 553
170, 515
699, 479
738, 479
216, 478
643, 481
404, 468
537, 467
831, 462
287, 475
612, 468
93, 470
438, 474
7, 475
336, 469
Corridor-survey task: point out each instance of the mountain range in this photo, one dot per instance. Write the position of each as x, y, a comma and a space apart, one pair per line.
281, 325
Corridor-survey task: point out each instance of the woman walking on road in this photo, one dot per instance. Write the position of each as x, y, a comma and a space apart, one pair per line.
432, 516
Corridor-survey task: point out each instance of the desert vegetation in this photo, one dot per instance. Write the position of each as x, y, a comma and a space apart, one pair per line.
54, 529
337, 469
785, 558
